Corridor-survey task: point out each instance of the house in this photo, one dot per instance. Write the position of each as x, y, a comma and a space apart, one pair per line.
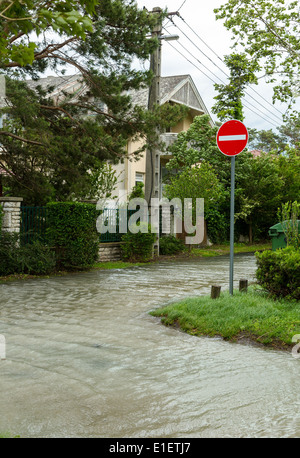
178, 89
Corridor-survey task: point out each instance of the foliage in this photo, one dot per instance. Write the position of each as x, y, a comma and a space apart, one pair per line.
289, 216
289, 171
8, 246
278, 272
1, 216
138, 247
137, 192
229, 99
261, 183
103, 181
71, 231
217, 225
169, 245
20, 18
268, 32
266, 141
198, 145
35, 258
51, 144
200, 182
195, 145
259, 194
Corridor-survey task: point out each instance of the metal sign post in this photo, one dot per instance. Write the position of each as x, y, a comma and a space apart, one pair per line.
232, 224
232, 138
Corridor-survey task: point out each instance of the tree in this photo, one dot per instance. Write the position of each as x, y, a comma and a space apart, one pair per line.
259, 182
52, 149
229, 99
198, 145
268, 32
267, 141
20, 18
198, 182
290, 131
259, 195
289, 171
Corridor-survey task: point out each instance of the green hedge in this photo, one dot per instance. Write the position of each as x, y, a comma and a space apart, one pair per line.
138, 247
71, 231
278, 272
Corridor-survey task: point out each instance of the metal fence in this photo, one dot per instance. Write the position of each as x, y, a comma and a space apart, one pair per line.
33, 224
115, 220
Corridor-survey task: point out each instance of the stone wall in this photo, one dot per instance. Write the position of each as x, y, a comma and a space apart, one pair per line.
109, 252
12, 213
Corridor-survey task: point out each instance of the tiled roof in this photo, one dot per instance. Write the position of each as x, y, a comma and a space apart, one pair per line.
68, 83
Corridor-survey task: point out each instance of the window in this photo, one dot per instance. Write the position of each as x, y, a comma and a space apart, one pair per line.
139, 178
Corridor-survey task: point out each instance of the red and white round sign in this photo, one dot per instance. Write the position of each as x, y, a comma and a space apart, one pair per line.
232, 137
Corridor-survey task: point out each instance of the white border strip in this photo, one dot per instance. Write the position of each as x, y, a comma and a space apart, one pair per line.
227, 138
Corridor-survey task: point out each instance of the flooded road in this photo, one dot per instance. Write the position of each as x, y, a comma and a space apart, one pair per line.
85, 359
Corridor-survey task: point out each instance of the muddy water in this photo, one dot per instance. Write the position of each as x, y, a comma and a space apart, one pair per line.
85, 359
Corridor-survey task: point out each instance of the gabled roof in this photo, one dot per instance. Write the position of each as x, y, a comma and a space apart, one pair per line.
177, 88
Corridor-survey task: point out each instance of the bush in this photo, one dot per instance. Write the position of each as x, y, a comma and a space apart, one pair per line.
138, 247
9, 253
217, 225
1, 217
28, 259
71, 231
278, 272
170, 245
36, 259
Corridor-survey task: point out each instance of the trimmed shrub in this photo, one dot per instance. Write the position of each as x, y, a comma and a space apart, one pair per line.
278, 272
34, 259
138, 247
71, 231
169, 245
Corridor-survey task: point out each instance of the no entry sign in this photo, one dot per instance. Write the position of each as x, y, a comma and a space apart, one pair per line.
232, 137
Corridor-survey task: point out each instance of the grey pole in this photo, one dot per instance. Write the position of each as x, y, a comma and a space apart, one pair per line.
232, 224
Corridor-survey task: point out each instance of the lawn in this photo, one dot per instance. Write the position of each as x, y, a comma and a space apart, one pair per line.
252, 316
219, 250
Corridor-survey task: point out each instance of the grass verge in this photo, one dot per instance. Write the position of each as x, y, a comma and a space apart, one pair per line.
250, 317
96, 266
219, 250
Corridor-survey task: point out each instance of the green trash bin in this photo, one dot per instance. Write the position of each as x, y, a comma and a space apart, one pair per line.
277, 234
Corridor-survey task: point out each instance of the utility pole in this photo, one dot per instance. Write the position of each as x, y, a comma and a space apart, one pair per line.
152, 179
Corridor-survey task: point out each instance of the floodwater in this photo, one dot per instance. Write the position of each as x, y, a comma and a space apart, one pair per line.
85, 359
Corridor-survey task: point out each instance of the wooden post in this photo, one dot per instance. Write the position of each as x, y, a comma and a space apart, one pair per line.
215, 291
243, 285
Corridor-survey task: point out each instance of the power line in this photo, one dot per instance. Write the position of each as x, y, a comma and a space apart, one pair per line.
249, 95
190, 62
201, 63
274, 120
181, 6
201, 39
246, 106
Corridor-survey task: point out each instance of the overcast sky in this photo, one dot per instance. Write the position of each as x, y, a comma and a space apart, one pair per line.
203, 43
